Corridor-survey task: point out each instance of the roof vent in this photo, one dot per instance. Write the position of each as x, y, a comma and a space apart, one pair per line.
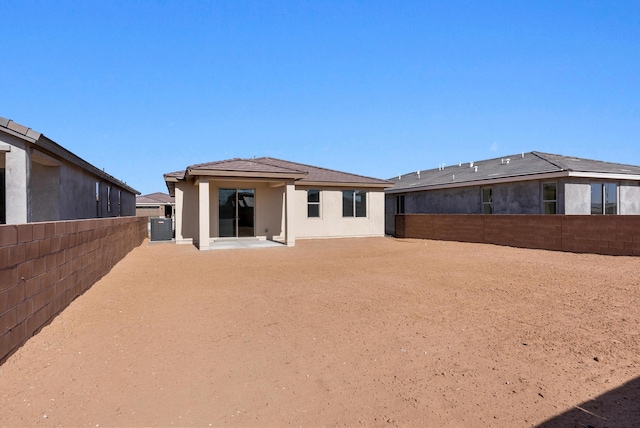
459, 163
454, 177
501, 161
508, 160
470, 164
399, 177
475, 168
418, 174
522, 155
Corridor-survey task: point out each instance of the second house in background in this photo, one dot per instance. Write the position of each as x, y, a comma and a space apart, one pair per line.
526, 183
274, 199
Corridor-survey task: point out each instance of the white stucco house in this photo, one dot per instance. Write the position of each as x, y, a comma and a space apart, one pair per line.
42, 181
267, 198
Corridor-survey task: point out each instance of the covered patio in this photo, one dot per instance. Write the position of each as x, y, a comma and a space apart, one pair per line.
272, 200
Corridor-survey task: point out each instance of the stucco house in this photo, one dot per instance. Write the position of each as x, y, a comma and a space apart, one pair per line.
156, 204
42, 181
524, 183
267, 198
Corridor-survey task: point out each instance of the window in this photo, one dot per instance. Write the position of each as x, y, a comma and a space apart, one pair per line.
97, 199
604, 198
487, 200
549, 198
108, 199
313, 203
354, 203
400, 204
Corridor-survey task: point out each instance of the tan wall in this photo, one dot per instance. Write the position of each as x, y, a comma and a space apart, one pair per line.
45, 266
270, 212
150, 211
331, 224
613, 235
268, 204
186, 212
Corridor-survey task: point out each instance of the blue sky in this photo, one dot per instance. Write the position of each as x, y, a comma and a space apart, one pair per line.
376, 88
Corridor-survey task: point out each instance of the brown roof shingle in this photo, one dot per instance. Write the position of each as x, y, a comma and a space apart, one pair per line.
313, 174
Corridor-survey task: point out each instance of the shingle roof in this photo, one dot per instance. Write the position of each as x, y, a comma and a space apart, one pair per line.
513, 166
244, 165
571, 163
155, 198
312, 174
323, 175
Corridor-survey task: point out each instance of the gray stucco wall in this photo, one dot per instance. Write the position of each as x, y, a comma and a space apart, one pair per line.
463, 200
577, 197
40, 187
389, 214
44, 192
15, 179
522, 197
630, 198
525, 197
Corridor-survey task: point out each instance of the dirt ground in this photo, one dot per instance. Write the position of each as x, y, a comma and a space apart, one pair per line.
344, 332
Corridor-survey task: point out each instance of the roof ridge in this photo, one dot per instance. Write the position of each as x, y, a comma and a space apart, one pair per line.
281, 160
325, 169
565, 157
213, 163
544, 157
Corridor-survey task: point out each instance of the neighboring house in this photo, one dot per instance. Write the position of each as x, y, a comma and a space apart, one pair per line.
155, 205
273, 199
42, 181
526, 183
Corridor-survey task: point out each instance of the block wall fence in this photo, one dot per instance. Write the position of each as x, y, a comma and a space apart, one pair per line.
45, 266
612, 235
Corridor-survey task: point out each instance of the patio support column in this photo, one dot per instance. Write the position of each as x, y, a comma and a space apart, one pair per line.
290, 235
203, 214
177, 214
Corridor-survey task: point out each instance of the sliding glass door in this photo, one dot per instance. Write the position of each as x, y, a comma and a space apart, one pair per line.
236, 213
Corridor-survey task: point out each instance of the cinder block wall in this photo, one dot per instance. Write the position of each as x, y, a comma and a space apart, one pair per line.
613, 235
45, 266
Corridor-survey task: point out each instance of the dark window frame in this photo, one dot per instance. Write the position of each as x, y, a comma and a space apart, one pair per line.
487, 205
606, 192
313, 206
550, 204
400, 204
354, 203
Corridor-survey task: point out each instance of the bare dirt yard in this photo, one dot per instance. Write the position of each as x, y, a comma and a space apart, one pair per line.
345, 332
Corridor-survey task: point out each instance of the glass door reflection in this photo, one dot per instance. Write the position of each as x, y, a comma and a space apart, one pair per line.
236, 213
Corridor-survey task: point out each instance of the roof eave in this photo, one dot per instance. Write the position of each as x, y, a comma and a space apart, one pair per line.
605, 175
344, 184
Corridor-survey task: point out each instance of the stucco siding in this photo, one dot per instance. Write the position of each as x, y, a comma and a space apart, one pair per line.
390, 211
41, 187
268, 207
45, 192
517, 198
15, 179
186, 212
463, 200
577, 197
630, 198
78, 198
331, 223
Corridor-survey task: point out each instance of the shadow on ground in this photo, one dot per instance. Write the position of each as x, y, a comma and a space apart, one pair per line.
617, 408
